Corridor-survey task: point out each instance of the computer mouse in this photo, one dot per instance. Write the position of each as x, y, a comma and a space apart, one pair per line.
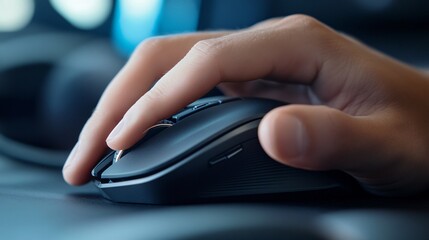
209, 150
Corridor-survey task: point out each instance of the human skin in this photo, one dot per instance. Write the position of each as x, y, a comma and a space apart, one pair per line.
352, 108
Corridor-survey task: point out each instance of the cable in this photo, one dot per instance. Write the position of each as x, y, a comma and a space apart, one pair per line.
31, 154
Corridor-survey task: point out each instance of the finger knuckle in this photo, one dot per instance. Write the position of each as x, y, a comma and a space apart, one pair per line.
156, 93
302, 22
208, 48
316, 33
150, 47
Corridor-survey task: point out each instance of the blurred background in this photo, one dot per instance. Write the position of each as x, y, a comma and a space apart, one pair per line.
57, 56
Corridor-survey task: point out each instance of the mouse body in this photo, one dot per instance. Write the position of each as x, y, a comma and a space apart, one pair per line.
207, 151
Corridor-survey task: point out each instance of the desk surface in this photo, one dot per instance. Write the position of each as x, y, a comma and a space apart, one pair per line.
35, 202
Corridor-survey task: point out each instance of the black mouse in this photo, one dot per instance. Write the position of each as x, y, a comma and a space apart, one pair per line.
209, 150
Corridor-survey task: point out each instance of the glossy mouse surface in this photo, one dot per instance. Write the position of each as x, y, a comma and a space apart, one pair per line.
209, 150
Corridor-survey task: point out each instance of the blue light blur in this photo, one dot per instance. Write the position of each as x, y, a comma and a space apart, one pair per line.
136, 20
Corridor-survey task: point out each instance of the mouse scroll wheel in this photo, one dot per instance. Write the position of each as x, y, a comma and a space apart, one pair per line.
155, 129
165, 121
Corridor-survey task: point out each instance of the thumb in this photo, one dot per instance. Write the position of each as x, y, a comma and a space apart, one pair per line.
318, 138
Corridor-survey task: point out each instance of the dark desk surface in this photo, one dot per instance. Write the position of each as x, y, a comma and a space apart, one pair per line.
35, 203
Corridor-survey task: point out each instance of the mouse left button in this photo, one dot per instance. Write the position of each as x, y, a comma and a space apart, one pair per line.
103, 165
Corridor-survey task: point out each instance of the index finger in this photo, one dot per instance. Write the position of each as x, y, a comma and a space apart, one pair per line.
151, 59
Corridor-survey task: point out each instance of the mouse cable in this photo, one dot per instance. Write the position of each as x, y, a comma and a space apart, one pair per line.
31, 154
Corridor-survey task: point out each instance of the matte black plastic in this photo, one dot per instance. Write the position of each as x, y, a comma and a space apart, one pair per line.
186, 136
213, 153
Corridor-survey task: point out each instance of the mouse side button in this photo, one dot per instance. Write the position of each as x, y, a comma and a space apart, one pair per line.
226, 156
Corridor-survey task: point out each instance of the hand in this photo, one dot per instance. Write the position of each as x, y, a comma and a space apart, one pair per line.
353, 109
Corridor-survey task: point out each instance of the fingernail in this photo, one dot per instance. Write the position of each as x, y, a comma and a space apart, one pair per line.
115, 132
292, 138
71, 157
